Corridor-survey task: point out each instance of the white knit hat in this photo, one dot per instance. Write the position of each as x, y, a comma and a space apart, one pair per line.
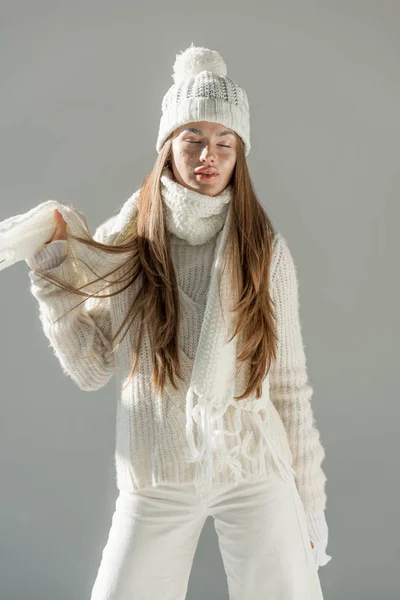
202, 92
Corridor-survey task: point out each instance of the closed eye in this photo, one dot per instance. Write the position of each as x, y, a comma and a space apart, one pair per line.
193, 142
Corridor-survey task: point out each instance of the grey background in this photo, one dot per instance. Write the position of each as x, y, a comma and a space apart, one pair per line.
81, 91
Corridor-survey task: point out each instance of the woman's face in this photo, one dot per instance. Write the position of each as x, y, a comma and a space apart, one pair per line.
204, 145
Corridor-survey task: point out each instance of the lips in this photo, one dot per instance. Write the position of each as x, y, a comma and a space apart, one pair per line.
205, 171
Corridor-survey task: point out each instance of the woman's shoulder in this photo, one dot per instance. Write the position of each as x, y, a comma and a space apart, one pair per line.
282, 259
279, 242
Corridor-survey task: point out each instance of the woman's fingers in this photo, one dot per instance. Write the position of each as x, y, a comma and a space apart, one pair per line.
61, 228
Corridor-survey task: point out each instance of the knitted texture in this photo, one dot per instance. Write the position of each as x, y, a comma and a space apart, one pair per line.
197, 219
151, 429
202, 91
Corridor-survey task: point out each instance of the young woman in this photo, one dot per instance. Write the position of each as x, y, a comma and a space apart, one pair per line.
214, 414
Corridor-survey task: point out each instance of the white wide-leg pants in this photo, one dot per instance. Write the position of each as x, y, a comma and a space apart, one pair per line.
262, 536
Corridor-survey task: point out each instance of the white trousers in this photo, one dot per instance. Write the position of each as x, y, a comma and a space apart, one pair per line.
262, 536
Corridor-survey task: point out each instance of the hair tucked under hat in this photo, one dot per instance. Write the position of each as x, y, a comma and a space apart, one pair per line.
202, 92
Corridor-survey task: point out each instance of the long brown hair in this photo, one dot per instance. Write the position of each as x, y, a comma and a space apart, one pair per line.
147, 242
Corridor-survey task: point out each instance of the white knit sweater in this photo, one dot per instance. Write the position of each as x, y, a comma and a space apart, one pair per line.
150, 431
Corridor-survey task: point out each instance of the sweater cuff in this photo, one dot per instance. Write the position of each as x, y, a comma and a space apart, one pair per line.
318, 532
49, 256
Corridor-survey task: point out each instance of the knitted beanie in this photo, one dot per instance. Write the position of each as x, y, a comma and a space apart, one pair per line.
202, 92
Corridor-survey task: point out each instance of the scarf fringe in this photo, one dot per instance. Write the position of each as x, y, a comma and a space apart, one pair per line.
205, 414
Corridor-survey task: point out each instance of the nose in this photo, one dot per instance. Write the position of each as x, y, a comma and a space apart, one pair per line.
206, 154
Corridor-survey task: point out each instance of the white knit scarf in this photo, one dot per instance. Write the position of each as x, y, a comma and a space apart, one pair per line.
196, 218
190, 215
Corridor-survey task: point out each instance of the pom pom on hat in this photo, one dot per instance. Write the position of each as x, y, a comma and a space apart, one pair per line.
194, 60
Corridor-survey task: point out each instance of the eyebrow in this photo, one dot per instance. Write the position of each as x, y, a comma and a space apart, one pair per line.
200, 132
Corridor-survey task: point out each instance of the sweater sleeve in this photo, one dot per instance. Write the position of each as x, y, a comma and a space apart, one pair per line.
290, 390
318, 531
84, 330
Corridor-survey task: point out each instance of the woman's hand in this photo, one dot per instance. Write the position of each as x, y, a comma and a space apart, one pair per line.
61, 228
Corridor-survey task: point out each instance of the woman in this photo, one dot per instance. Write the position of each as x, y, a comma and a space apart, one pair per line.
214, 414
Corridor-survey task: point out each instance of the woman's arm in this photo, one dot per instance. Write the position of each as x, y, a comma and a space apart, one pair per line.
291, 393
83, 331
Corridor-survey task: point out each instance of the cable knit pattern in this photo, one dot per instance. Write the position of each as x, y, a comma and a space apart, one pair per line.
150, 429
